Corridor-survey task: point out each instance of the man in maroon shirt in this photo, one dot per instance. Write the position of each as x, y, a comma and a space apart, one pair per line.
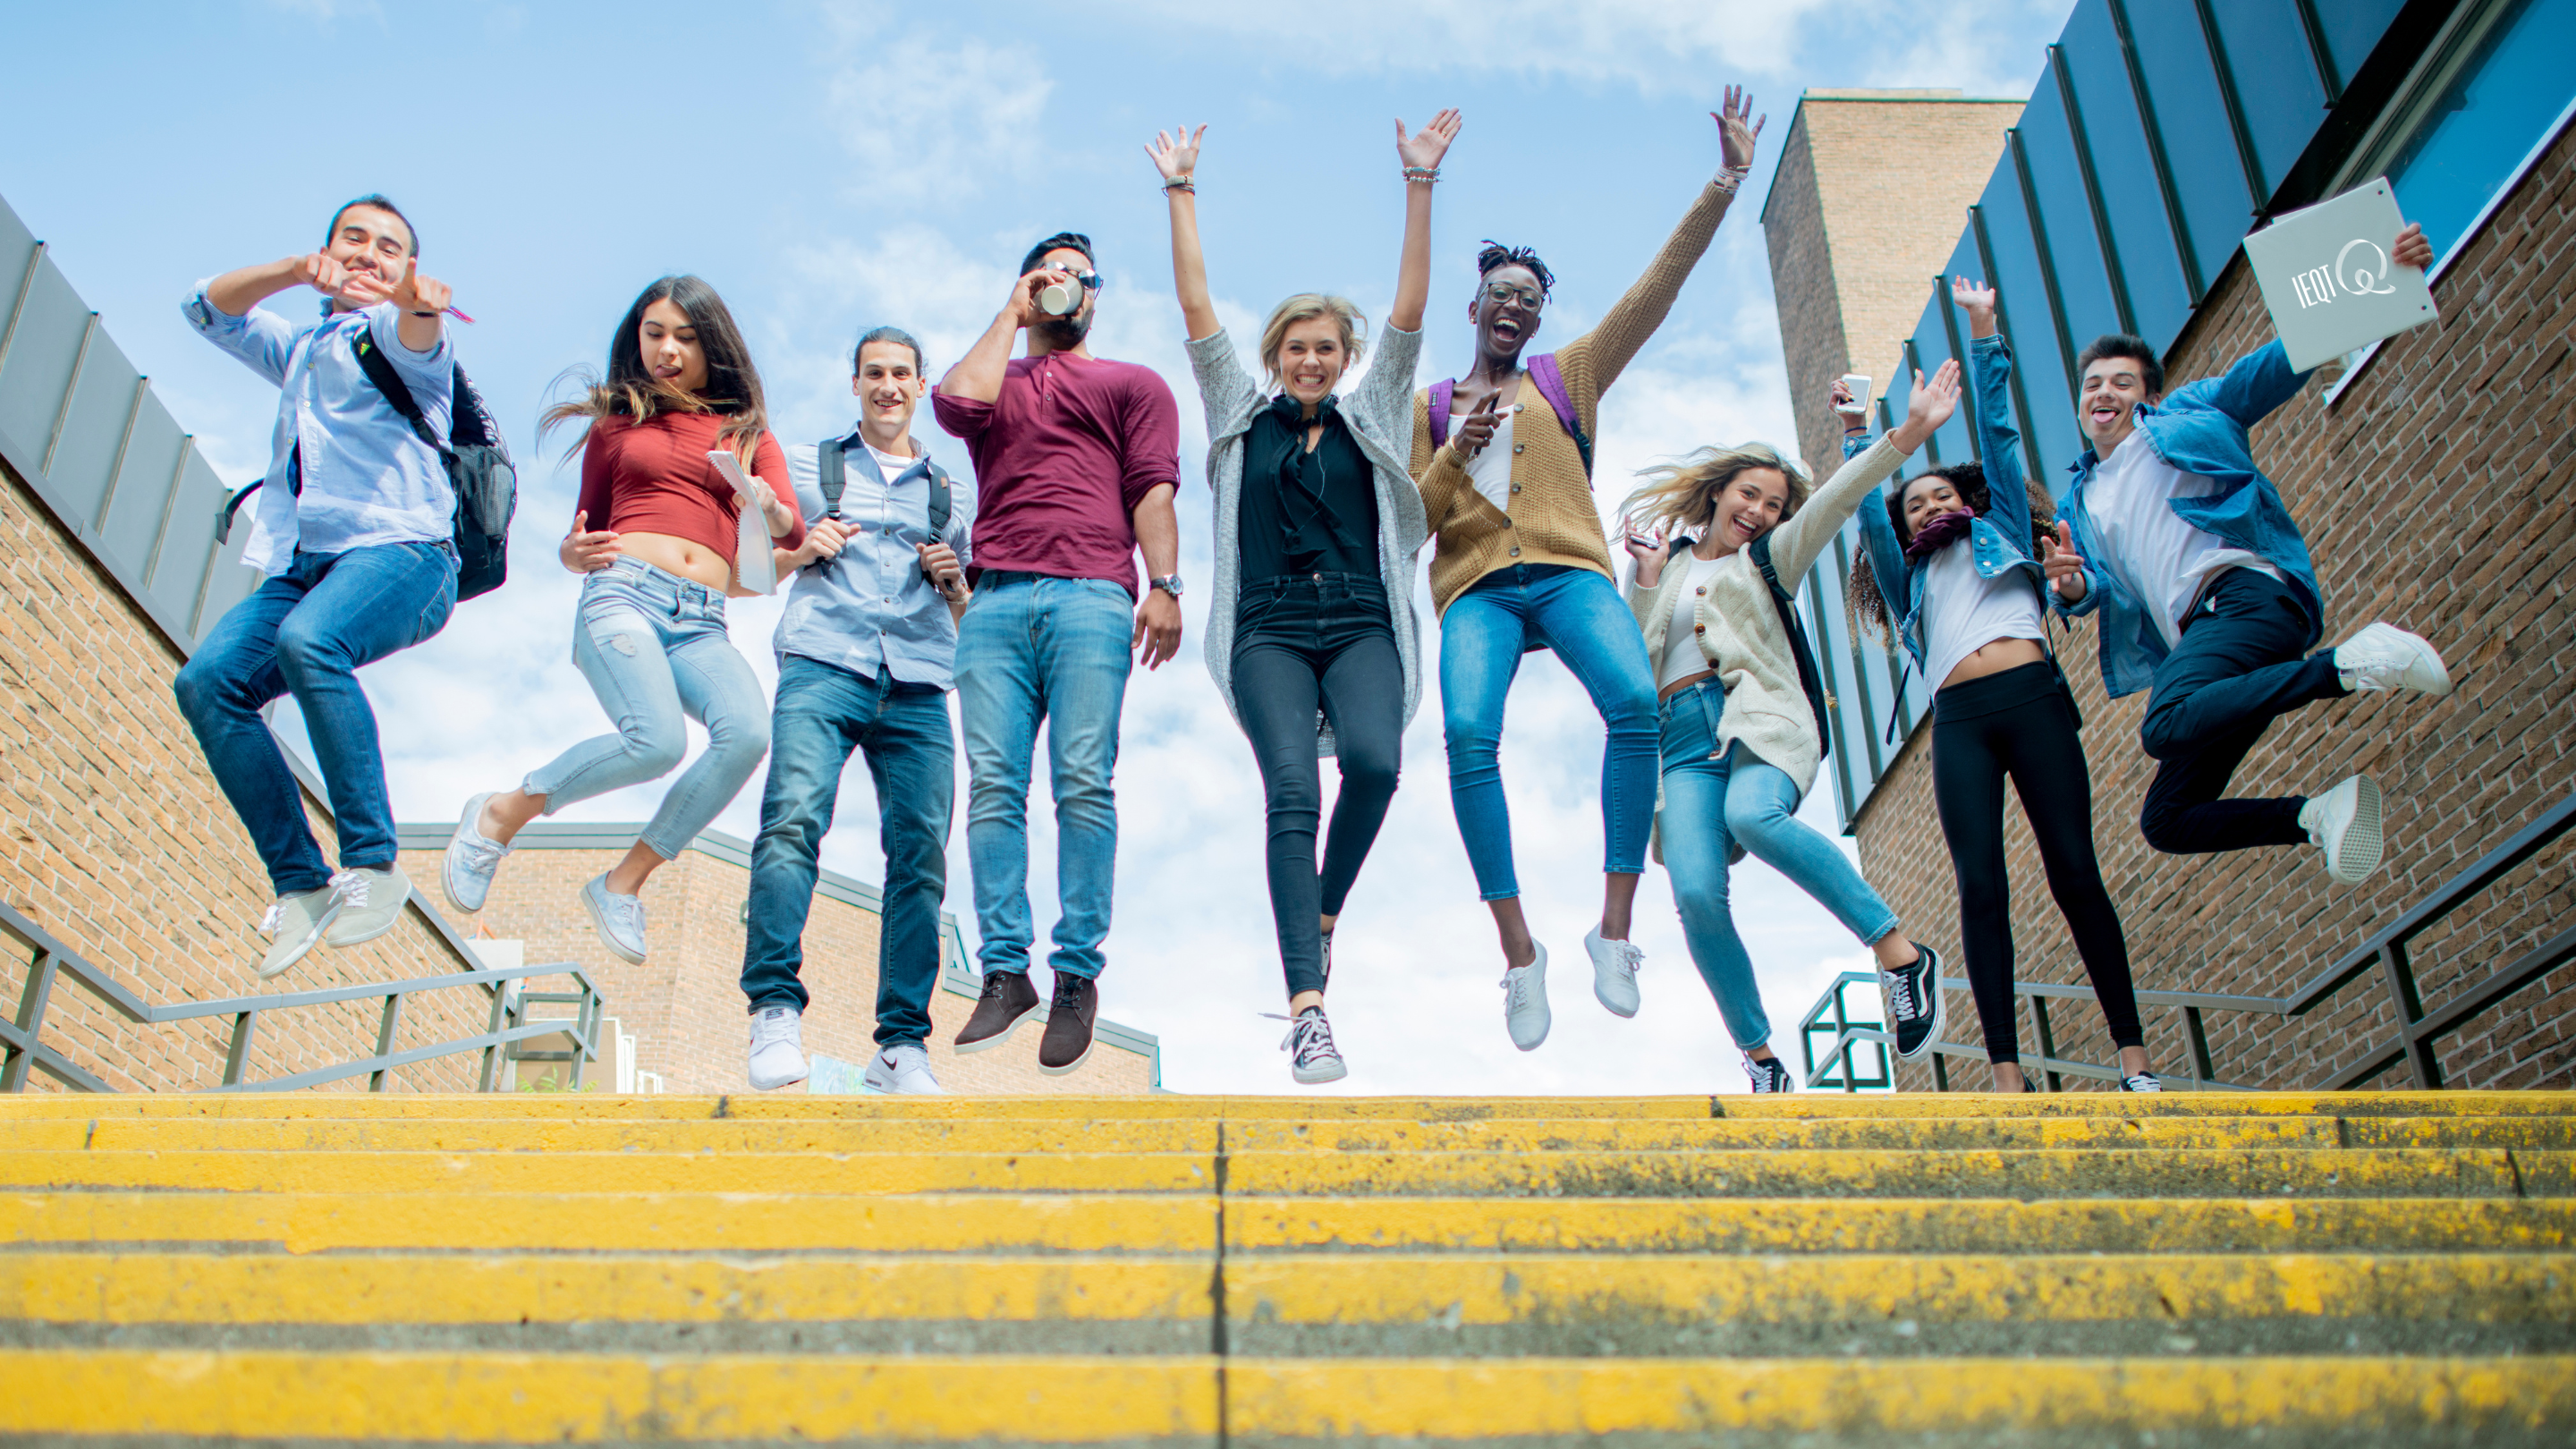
1076, 460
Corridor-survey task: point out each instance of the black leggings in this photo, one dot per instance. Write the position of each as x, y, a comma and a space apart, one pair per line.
2021, 723
1310, 648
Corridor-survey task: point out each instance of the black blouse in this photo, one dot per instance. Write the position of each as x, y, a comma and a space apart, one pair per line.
1306, 512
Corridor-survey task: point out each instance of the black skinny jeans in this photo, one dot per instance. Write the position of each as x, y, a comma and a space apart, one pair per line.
2021, 722
2239, 665
1311, 647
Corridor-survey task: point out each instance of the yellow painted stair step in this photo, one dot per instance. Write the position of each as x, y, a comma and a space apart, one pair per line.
761, 1172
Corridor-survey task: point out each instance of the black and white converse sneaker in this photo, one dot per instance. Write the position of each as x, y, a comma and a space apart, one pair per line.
1769, 1075
1914, 1002
1312, 1057
2142, 1082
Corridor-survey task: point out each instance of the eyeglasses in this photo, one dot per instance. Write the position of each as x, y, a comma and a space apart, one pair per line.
1504, 293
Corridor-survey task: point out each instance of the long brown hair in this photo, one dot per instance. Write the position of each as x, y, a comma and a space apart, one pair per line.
1861, 595
1683, 495
632, 391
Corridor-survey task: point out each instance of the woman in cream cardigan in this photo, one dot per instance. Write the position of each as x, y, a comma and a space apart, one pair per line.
1311, 637
1739, 745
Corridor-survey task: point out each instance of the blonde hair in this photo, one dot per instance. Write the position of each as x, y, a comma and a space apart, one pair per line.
1684, 494
1305, 307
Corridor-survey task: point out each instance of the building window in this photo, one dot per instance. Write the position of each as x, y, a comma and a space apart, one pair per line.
2474, 137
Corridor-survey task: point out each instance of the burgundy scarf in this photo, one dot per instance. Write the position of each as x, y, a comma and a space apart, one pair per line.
1940, 533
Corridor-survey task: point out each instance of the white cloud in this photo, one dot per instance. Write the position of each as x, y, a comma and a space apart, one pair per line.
922, 117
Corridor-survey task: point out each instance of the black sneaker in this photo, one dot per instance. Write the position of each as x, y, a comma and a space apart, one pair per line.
2142, 1082
1914, 1003
1067, 1043
1769, 1075
1007, 1001
1312, 1057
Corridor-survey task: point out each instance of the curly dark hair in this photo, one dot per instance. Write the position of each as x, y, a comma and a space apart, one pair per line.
1861, 594
1494, 254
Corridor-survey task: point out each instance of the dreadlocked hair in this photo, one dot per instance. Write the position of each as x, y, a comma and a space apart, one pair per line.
1868, 606
1494, 254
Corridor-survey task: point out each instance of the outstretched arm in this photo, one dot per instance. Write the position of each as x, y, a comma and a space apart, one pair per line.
1634, 318
1796, 543
1176, 155
1420, 152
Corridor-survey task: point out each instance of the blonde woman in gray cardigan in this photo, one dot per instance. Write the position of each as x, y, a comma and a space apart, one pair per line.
1739, 745
1311, 635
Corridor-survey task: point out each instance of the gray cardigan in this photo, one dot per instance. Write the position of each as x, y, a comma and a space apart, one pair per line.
1379, 413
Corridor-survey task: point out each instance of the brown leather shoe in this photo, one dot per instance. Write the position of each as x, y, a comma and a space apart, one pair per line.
1007, 1001
1067, 1043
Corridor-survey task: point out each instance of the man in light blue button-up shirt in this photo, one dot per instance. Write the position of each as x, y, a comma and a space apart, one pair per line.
866, 651
352, 526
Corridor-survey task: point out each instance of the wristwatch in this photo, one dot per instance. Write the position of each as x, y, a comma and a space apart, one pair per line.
1169, 583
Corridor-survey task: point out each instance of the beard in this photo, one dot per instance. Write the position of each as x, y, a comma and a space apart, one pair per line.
1066, 333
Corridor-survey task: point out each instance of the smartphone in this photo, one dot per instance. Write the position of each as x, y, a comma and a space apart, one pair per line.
1858, 386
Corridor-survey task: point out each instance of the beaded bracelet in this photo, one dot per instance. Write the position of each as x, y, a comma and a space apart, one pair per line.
1422, 173
1181, 183
1731, 177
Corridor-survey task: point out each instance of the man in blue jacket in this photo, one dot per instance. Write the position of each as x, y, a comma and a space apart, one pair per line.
2208, 598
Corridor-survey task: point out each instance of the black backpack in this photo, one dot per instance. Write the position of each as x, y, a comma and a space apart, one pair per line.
478, 468
831, 474
1810, 678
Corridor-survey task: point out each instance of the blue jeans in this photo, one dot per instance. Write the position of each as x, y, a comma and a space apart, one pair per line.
1710, 807
1034, 649
1487, 629
824, 712
654, 648
305, 632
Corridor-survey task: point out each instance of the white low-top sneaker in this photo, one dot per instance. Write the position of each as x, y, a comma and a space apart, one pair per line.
903, 1069
294, 925
2383, 656
619, 920
1614, 971
1312, 1057
778, 1048
1525, 1001
465, 874
370, 902
2344, 823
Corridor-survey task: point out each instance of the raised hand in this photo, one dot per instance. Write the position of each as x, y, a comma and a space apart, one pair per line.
584, 551
1426, 146
1929, 407
1842, 401
416, 293
1176, 152
2412, 249
1737, 129
1477, 428
1973, 297
2060, 562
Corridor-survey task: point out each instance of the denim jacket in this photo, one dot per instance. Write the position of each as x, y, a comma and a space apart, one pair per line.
2201, 428
1999, 539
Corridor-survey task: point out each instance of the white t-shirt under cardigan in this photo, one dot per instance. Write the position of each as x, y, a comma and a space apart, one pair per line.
1681, 658
1964, 613
2156, 554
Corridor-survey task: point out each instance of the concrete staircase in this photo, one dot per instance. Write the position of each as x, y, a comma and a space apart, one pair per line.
2084, 1269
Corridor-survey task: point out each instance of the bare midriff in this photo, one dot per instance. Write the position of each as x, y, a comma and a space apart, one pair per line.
1685, 682
686, 557
1994, 658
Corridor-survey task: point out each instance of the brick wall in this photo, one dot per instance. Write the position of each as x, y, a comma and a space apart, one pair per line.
1870, 194
685, 1005
2434, 495
118, 842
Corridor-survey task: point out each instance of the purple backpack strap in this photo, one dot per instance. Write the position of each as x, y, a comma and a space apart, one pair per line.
1440, 410
1551, 385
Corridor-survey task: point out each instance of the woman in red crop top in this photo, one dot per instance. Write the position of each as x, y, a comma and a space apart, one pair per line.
653, 537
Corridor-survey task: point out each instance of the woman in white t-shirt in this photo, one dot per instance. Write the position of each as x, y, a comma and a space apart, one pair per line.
1739, 737
1956, 565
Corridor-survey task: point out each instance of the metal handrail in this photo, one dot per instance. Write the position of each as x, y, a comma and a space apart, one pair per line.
23, 1050
2417, 1027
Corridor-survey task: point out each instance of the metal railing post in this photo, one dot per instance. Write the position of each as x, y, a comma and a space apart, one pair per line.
1842, 1023
491, 1078
245, 1025
2202, 1070
2410, 1011
391, 1023
2047, 1040
1940, 1072
31, 1020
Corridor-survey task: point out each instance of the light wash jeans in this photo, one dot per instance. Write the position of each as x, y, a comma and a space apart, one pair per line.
653, 646
1486, 630
1710, 807
305, 632
1037, 650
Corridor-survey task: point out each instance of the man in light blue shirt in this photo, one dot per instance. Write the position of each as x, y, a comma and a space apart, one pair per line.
866, 652
353, 527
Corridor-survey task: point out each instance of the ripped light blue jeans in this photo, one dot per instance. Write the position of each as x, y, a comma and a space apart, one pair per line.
1712, 805
654, 648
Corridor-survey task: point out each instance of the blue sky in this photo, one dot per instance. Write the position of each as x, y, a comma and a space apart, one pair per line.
831, 167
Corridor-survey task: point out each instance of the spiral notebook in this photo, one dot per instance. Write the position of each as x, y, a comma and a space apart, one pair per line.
755, 569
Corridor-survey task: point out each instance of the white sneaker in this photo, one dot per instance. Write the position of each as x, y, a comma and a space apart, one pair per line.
1312, 1057
619, 920
2344, 822
1525, 1001
904, 1070
370, 902
778, 1047
294, 925
1614, 972
465, 875
2383, 656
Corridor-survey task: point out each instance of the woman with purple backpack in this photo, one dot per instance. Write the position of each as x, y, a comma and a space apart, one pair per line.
1522, 564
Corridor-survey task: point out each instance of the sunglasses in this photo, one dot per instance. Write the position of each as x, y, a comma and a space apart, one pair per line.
1089, 281
1503, 294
